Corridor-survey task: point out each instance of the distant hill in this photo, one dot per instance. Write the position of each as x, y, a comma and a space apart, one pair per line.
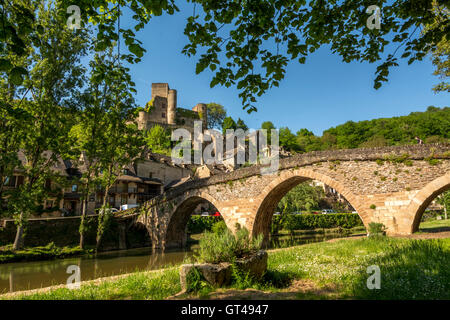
431, 126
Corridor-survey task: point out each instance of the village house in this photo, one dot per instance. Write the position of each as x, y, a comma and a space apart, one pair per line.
137, 183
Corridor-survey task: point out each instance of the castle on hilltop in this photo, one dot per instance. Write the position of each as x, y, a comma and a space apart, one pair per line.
162, 110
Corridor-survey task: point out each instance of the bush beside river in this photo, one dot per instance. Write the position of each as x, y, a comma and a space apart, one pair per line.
47, 252
306, 221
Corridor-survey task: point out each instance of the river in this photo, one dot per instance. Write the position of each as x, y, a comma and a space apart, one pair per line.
20, 276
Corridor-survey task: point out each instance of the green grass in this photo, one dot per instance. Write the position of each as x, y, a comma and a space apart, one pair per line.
137, 286
435, 224
47, 252
410, 269
350, 231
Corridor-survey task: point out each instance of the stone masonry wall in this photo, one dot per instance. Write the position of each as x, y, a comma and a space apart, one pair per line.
380, 183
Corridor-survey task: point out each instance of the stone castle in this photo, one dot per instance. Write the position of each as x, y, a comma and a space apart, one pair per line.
162, 110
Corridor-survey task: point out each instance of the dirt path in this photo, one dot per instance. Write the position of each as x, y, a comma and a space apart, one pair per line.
428, 235
299, 289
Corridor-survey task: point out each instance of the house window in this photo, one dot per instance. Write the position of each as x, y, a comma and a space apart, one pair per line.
150, 174
10, 181
163, 105
74, 188
20, 180
163, 115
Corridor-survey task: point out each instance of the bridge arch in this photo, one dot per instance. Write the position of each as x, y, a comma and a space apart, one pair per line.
175, 235
279, 187
423, 199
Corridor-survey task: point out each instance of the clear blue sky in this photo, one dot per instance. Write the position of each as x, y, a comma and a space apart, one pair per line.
320, 94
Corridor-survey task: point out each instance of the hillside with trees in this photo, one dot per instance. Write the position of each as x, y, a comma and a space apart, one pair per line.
432, 125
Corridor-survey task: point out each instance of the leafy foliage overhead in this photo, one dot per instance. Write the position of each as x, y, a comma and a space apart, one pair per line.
249, 43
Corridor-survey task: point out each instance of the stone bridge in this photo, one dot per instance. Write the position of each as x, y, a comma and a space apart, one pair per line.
389, 185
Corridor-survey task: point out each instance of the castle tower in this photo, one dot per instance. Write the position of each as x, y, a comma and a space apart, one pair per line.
203, 113
172, 106
160, 90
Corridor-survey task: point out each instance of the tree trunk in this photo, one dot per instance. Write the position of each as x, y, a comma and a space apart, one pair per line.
101, 218
445, 212
83, 217
18, 241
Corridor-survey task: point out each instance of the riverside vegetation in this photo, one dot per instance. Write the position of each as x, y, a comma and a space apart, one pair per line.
50, 251
410, 269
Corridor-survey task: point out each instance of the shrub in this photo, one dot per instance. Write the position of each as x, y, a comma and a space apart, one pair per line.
195, 281
219, 227
199, 224
241, 279
50, 251
376, 229
226, 247
429, 215
313, 221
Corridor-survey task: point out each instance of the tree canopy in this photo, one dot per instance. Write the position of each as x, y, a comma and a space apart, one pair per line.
431, 126
248, 44
216, 115
302, 197
158, 140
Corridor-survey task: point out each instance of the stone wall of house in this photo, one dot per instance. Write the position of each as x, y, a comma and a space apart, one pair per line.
164, 172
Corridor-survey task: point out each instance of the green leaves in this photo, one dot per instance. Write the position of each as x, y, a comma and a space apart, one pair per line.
5, 65
260, 37
16, 75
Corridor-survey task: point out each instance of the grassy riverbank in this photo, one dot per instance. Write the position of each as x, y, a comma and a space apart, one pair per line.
47, 252
435, 225
410, 269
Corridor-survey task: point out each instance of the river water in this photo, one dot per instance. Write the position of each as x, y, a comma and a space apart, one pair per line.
19, 276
